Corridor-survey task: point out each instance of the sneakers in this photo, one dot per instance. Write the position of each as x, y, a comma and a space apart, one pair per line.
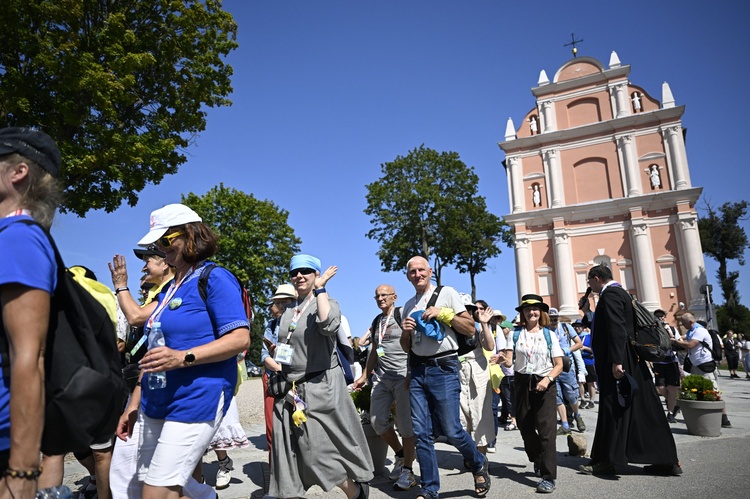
663, 469
224, 475
670, 418
580, 424
563, 431
597, 469
546, 486
395, 474
491, 448
725, 421
405, 480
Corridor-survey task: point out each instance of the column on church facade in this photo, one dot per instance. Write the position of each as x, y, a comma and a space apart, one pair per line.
677, 157
548, 113
691, 256
629, 158
524, 264
622, 108
518, 199
564, 275
645, 266
552, 166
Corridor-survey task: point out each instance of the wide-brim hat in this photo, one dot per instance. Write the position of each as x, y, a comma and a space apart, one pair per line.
284, 291
532, 300
162, 219
499, 314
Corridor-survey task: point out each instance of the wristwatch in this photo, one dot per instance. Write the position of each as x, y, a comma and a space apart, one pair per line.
190, 358
551, 379
316, 292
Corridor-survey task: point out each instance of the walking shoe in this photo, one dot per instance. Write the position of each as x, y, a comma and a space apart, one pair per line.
580, 424
405, 481
597, 469
676, 411
562, 431
663, 469
395, 473
491, 449
224, 475
725, 421
670, 418
545, 486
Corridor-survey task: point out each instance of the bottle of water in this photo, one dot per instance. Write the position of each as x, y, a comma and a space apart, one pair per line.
156, 381
59, 492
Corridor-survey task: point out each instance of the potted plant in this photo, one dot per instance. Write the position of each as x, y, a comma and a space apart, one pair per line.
378, 446
701, 406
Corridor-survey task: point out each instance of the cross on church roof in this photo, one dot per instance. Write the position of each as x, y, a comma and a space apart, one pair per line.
572, 43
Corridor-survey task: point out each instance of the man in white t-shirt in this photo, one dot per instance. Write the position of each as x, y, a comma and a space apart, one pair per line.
698, 342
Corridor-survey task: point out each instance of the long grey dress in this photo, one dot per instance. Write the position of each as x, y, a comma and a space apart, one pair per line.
331, 446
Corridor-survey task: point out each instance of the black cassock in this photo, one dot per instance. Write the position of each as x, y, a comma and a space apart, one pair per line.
640, 433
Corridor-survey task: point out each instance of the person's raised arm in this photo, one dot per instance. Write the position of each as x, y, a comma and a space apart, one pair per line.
135, 314
324, 305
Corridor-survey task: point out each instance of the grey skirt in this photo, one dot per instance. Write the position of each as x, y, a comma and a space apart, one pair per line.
327, 449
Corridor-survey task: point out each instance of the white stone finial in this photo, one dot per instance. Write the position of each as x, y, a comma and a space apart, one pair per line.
614, 61
667, 99
510, 130
543, 80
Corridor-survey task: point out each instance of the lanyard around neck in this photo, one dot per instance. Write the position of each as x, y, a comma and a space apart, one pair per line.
297, 314
167, 297
383, 326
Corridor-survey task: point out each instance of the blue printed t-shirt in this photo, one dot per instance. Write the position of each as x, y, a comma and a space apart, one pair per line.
192, 393
27, 258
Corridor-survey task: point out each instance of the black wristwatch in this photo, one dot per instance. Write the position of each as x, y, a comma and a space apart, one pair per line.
190, 358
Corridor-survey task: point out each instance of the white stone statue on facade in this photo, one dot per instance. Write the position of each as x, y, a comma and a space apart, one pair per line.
655, 176
536, 196
533, 126
636, 101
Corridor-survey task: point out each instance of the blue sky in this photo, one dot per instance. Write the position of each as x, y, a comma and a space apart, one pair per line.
325, 92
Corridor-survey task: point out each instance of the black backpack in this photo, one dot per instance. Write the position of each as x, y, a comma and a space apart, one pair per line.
715, 345
247, 302
651, 340
85, 392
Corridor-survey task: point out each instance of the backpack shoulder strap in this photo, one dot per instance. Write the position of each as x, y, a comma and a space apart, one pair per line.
203, 280
434, 297
548, 339
397, 316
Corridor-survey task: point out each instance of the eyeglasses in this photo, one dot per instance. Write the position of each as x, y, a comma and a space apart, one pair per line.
166, 241
384, 295
304, 271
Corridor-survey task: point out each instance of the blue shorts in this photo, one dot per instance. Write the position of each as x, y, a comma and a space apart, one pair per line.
567, 388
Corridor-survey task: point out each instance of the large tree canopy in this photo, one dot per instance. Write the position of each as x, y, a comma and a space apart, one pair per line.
255, 242
122, 85
423, 205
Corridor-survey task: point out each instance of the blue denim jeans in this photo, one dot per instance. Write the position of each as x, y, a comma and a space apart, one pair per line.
435, 395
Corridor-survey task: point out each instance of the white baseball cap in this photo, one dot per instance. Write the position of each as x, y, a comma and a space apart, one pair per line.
162, 219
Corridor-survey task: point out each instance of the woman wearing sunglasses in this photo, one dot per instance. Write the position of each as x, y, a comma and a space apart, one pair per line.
202, 340
318, 438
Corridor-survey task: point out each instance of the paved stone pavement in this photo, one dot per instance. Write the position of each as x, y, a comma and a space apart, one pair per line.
724, 459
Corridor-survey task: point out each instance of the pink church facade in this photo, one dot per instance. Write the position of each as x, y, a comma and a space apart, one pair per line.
598, 173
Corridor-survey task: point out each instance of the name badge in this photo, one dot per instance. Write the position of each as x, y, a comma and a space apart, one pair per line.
380, 352
284, 353
529, 369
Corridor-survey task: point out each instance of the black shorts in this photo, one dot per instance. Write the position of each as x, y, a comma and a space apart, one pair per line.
591, 374
666, 374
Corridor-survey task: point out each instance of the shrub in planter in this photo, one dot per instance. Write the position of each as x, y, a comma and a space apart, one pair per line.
695, 387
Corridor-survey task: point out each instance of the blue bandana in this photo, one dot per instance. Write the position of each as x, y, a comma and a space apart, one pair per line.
304, 262
430, 328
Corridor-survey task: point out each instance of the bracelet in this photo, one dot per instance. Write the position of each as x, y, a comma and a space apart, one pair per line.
25, 475
137, 383
123, 288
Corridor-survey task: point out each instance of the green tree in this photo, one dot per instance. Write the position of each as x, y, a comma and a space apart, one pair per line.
477, 239
723, 239
123, 86
419, 207
255, 242
738, 321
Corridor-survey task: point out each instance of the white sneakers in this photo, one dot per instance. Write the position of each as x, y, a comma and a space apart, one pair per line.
405, 481
224, 475
395, 474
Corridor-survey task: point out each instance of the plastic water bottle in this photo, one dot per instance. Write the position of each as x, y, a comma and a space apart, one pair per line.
59, 492
156, 381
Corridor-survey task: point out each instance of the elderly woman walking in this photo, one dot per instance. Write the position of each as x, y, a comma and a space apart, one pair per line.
203, 337
538, 361
318, 438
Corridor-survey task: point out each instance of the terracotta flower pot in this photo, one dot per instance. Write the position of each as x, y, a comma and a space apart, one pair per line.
702, 417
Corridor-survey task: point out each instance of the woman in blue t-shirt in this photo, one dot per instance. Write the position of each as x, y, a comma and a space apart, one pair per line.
29, 163
202, 339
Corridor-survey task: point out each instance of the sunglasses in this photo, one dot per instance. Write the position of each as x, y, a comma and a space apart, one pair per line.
304, 271
166, 241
